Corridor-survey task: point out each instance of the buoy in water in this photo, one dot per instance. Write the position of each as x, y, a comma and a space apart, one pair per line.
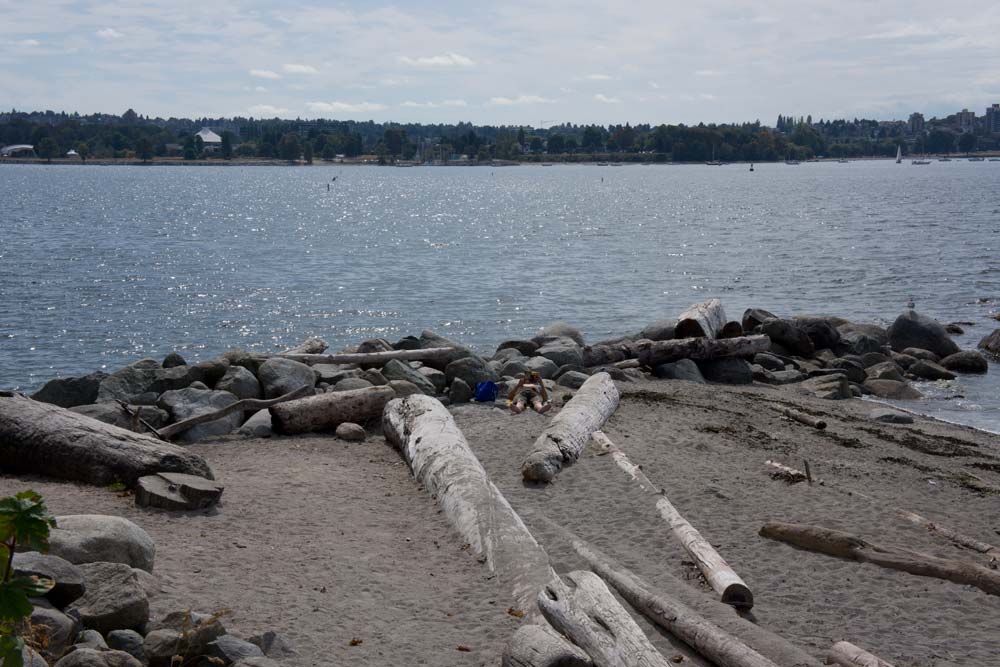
751, 166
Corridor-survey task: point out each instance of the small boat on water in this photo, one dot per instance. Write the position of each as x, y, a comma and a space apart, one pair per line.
899, 155
944, 159
546, 164
751, 166
603, 164
792, 162
920, 162
976, 159
843, 160
995, 159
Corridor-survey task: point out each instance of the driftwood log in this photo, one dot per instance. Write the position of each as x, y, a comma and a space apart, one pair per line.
720, 576
613, 353
540, 646
731, 330
702, 320
308, 346
325, 412
585, 611
243, 405
378, 358
788, 474
654, 353
568, 432
851, 547
48, 440
846, 654
803, 418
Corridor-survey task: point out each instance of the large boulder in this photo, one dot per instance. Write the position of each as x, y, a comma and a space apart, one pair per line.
88, 657
889, 416
820, 330
459, 392
912, 329
885, 371
472, 370
966, 361
726, 370
526, 348
112, 413
754, 317
147, 375
231, 649
854, 371
858, 343
351, 432
515, 367
437, 377
920, 353
91, 538
769, 361
334, 373
257, 426
403, 388
928, 370
789, 336
114, 600
239, 382
831, 387
429, 339
562, 351
70, 392
177, 491
68, 577
546, 368
280, 376
350, 384
395, 369
659, 330
559, 330
869, 330
190, 402
683, 369
990, 344
572, 379
59, 629
892, 389
173, 360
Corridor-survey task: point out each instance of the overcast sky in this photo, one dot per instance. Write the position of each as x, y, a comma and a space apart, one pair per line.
506, 62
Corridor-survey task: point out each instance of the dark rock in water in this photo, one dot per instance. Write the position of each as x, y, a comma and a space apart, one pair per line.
173, 360
88, 657
472, 370
559, 330
68, 577
683, 369
954, 329
459, 391
821, 331
872, 358
231, 649
112, 413
91, 538
128, 641
892, 389
726, 370
887, 370
572, 379
177, 491
991, 344
887, 416
769, 362
374, 345
546, 368
280, 376
114, 599
407, 343
59, 629
789, 336
659, 330
966, 361
928, 370
904, 360
562, 351
854, 371
754, 317
430, 339
239, 382
912, 329
856, 342
525, 347
71, 392
870, 330
186, 403
919, 353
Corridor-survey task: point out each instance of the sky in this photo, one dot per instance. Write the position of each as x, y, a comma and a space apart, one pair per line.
517, 62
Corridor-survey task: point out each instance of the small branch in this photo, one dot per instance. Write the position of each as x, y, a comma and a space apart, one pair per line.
244, 405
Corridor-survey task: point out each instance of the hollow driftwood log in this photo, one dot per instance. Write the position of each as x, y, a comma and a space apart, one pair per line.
731, 330
540, 646
567, 434
583, 609
720, 576
846, 654
851, 547
377, 358
803, 418
48, 440
325, 412
308, 346
654, 353
702, 320
246, 404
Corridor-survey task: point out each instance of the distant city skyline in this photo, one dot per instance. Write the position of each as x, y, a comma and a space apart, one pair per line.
519, 63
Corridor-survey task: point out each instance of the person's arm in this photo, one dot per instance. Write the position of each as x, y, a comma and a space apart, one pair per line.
513, 392
541, 390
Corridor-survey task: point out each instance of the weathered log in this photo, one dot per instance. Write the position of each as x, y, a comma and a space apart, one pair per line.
48, 440
308, 346
803, 418
702, 320
325, 412
720, 576
613, 353
567, 434
378, 358
787, 473
851, 547
539, 646
731, 330
654, 353
246, 404
847, 654
585, 611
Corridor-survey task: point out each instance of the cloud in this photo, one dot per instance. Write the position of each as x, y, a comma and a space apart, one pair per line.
601, 97
294, 68
903, 32
434, 105
28, 42
266, 110
519, 100
344, 107
597, 77
259, 89
109, 33
445, 60
264, 74
707, 72
654, 85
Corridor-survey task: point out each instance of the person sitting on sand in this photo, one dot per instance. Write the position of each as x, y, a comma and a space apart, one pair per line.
530, 390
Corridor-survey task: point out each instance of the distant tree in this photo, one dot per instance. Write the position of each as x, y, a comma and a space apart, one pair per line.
48, 149
247, 149
570, 145
394, 138
199, 145
265, 149
130, 117
329, 151
483, 155
82, 149
190, 148
307, 152
144, 149
289, 148
381, 151
593, 138
556, 144
227, 145
520, 136
625, 137
536, 144
967, 142
940, 141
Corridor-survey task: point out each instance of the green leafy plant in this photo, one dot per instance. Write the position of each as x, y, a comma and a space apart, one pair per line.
24, 522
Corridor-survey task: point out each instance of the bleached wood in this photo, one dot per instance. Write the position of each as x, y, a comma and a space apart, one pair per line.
325, 412
308, 346
429, 354
846, 654
569, 431
654, 353
803, 418
720, 576
243, 405
701, 320
539, 646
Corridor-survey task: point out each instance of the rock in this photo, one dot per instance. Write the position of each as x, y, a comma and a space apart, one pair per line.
546, 368
239, 382
966, 361
570, 367
272, 644
149, 583
160, 646
112, 413
395, 369
334, 373
990, 344
830, 387
88, 657
928, 370
258, 426
280, 376
430, 339
148, 398
754, 317
825, 355
350, 431
869, 330
404, 388
59, 630
559, 330
788, 377
854, 371
91, 639
231, 649
526, 348
953, 328
914, 330
572, 379
128, 641
91, 538
856, 342
769, 362
892, 389
407, 343
885, 371
515, 368
173, 360
147, 375
256, 662
562, 351
617, 374
904, 361
438, 378
375, 377
887, 416
347, 384
683, 369
30, 658
761, 374
190, 402
659, 330
375, 345
510, 354
177, 491
459, 391
164, 639
919, 353
472, 370
726, 370
68, 577
789, 336
114, 599
821, 331
71, 392
869, 359
199, 385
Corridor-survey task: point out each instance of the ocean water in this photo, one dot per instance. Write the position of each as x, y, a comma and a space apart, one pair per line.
100, 266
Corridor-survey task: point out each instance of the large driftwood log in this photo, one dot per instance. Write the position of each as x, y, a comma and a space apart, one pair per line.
567, 434
325, 412
702, 320
614, 353
846, 654
851, 547
48, 440
308, 346
654, 353
585, 611
429, 354
246, 404
539, 646
720, 576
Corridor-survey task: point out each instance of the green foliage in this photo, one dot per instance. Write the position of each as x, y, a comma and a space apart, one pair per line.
307, 152
290, 149
48, 148
82, 149
227, 145
144, 149
967, 142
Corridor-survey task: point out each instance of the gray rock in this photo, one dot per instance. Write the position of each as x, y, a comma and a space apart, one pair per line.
256, 662
887, 370
559, 330
754, 317
788, 377
201, 628
914, 330
352, 432
114, 600
526, 348
472, 370
112, 413
726, 370
683, 369
407, 343
966, 361
572, 379
88, 657
334, 373
887, 416
148, 398
173, 360
871, 358
92, 538
395, 369
856, 342
954, 328
830, 387
821, 331
280, 376
928, 370
239, 382
870, 330
199, 385
761, 374
273, 645
190, 402
404, 388
515, 367
59, 629
617, 374
149, 583
430, 339
789, 336
374, 345
232, 649
570, 367
459, 391
904, 360
91, 639
769, 362
546, 368
892, 389
31, 658
160, 646
919, 353
375, 377
68, 577
562, 351
258, 426
347, 384
147, 376
177, 491
72, 391
854, 371
128, 641
438, 378
659, 330
990, 344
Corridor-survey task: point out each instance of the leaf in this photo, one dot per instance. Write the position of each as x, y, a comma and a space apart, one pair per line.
516, 613
11, 651
25, 519
355, 641
14, 594
463, 648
